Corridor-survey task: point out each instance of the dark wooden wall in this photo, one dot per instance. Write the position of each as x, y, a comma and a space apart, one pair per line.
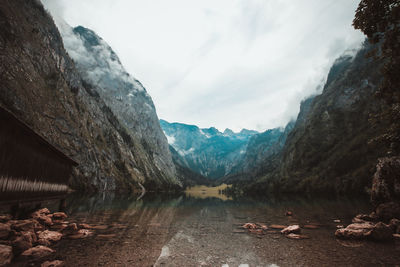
27, 161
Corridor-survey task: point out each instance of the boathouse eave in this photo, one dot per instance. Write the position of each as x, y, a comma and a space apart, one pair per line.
6, 114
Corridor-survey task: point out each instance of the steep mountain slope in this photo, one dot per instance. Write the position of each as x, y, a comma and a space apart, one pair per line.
207, 151
40, 84
261, 155
327, 150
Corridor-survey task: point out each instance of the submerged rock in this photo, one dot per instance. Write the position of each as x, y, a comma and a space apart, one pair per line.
5, 230
297, 236
37, 253
292, 229
388, 211
277, 226
6, 255
381, 232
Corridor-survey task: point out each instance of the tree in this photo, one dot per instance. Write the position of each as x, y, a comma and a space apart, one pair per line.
379, 20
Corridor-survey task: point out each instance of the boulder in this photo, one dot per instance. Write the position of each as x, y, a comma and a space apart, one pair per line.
355, 231
386, 181
249, 226
42, 216
5, 230
395, 225
381, 232
292, 229
21, 243
83, 233
56, 263
388, 211
72, 228
59, 216
24, 225
51, 236
37, 253
43, 211
6, 255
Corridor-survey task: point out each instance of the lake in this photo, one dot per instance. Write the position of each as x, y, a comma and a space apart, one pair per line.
183, 230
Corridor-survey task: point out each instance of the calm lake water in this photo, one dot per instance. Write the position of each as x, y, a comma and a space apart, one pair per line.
164, 230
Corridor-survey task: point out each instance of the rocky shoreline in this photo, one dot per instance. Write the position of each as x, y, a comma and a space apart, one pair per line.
30, 240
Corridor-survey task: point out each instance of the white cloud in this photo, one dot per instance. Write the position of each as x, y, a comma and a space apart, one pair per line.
227, 63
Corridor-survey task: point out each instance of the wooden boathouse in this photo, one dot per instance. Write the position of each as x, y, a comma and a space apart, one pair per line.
29, 165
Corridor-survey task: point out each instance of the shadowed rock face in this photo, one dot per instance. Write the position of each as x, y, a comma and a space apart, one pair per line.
41, 85
327, 150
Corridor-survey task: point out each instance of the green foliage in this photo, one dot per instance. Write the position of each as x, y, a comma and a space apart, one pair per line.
380, 21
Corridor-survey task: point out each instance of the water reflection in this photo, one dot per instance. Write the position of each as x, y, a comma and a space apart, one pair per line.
184, 230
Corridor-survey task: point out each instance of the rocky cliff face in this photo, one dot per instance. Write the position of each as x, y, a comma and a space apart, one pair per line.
327, 150
42, 86
207, 151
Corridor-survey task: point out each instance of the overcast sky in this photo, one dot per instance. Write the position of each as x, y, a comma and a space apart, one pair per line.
224, 63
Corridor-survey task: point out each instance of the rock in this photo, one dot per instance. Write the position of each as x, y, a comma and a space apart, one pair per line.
59, 227
44, 242
100, 227
72, 228
249, 226
289, 213
83, 233
42, 216
295, 229
37, 253
365, 217
381, 232
262, 226
84, 226
51, 236
21, 243
296, 236
43, 211
277, 226
395, 224
256, 231
56, 263
59, 216
5, 230
386, 181
355, 231
24, 225
6, 255
388, 211
5, 218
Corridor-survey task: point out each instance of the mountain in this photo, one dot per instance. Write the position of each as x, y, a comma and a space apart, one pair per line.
261, 155
328, 149
207, 151
87, 106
